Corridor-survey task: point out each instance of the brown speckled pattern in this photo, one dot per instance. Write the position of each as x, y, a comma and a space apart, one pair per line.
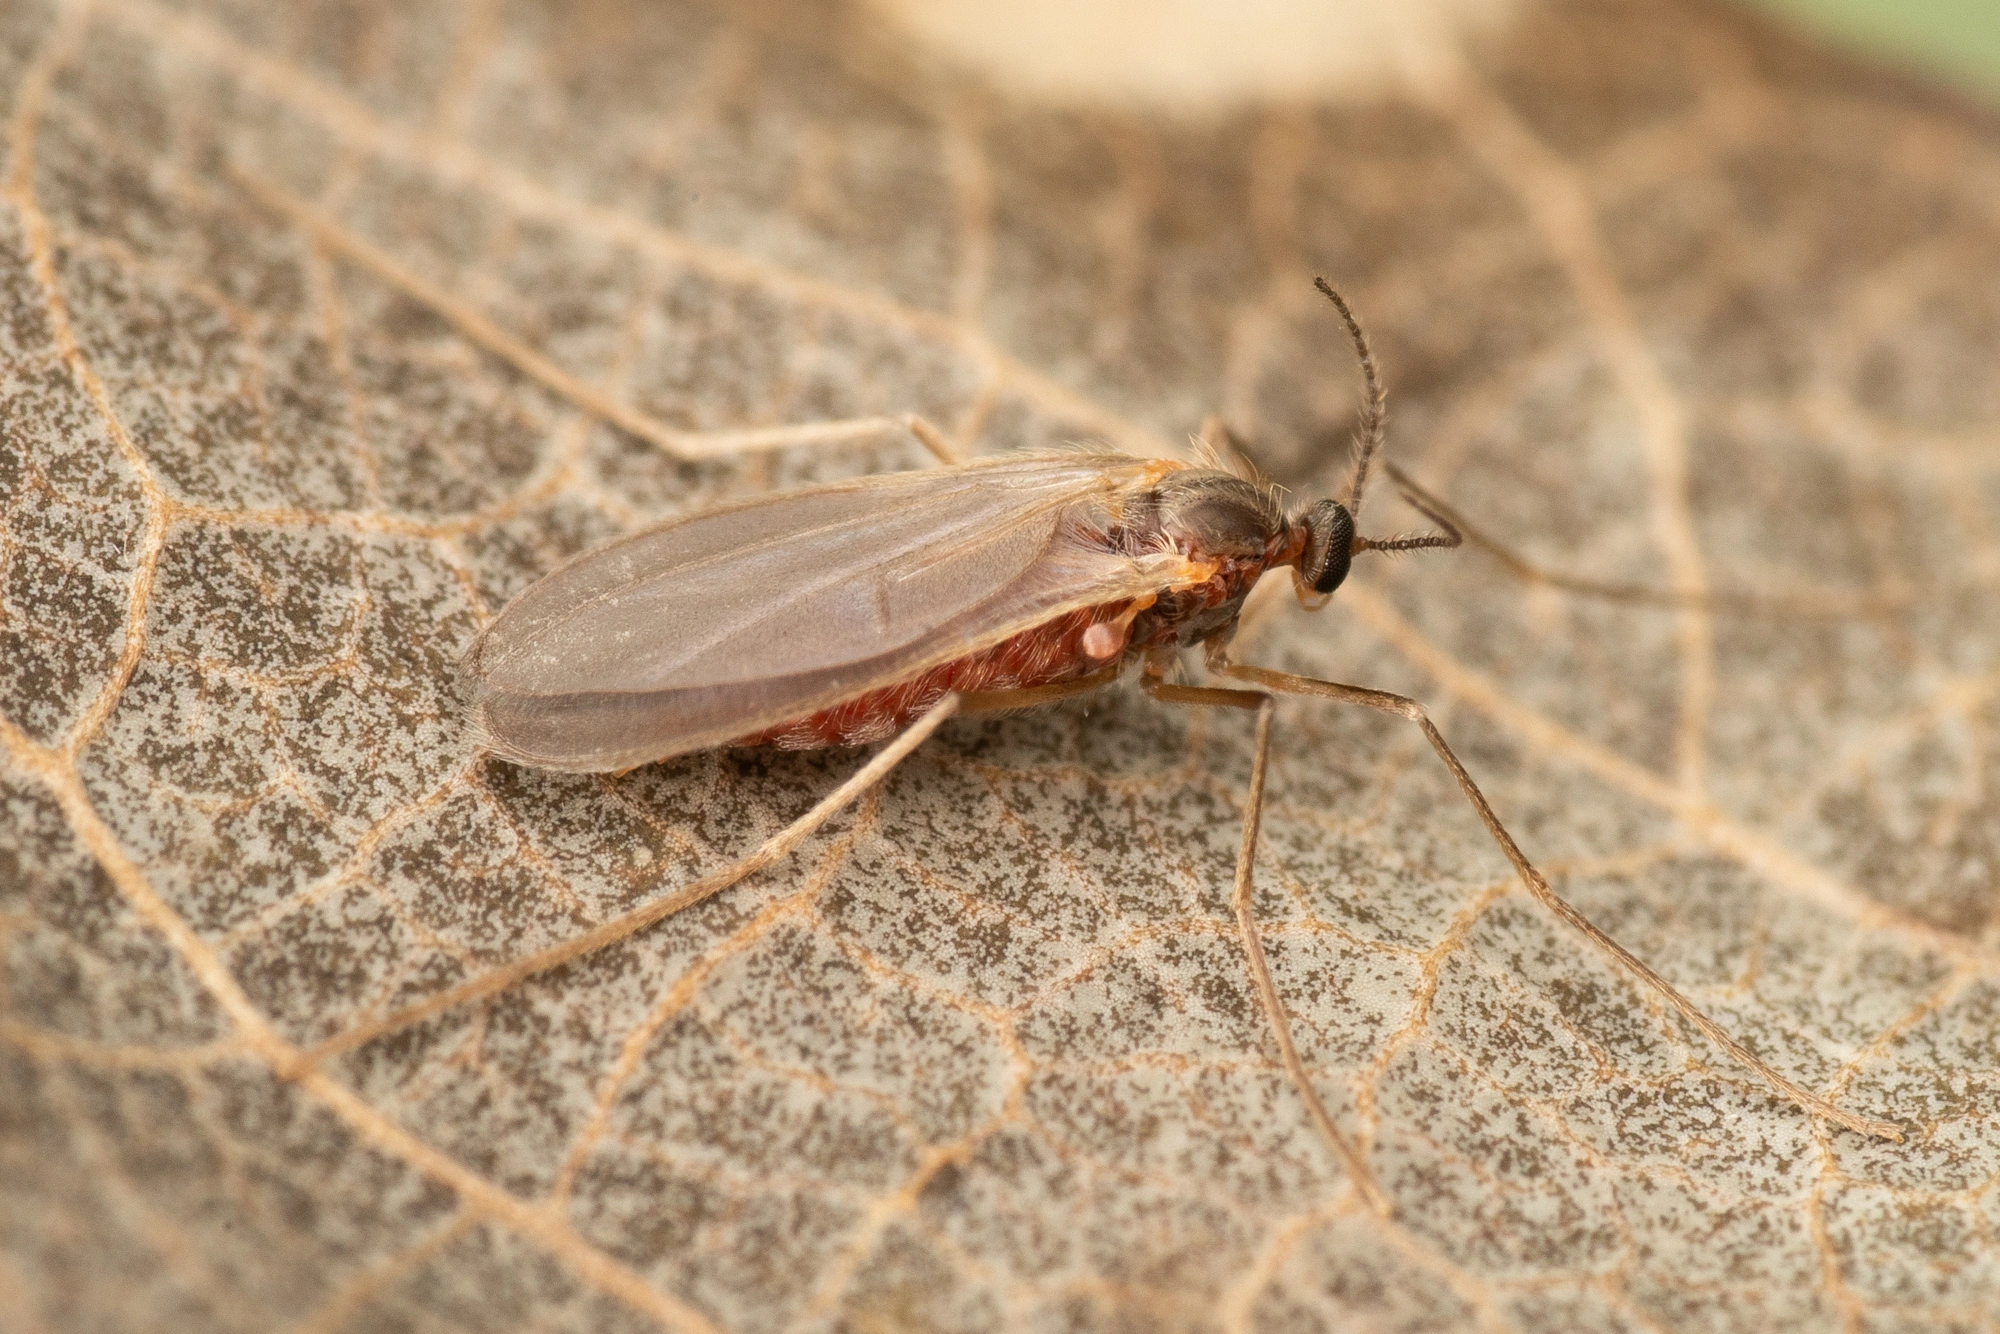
1659, 293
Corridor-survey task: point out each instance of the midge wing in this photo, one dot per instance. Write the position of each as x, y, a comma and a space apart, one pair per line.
727, 622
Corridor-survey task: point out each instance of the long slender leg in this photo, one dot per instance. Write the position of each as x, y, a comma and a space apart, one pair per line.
482, 332
1225, 449
778, 845
1214, 438
712, 444
1246, 922
1403, 707
1804, 602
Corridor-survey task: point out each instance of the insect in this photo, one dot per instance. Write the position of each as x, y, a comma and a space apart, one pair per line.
873, 610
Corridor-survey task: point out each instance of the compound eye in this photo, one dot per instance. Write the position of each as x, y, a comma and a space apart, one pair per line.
1329, 545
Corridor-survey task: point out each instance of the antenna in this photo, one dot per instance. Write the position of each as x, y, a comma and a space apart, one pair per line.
1374, 403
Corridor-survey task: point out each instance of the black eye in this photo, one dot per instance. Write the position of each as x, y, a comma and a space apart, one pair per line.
1329, 545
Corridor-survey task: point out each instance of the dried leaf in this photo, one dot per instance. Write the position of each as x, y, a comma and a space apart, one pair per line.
1661, 298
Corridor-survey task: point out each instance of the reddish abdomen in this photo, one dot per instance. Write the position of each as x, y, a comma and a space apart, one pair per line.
1049, 653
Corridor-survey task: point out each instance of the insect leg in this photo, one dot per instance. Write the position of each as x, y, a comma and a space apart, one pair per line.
1805, 602
1214, 436
474, 326
711, 444
1403, 707
1217, 446
1246, 922
774, 848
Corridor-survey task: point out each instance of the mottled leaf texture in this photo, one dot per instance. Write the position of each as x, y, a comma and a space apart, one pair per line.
1661, 295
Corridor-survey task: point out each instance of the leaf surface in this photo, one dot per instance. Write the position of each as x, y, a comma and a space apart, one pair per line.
1661, 298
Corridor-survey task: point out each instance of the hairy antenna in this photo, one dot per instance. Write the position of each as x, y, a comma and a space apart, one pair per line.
1374, 403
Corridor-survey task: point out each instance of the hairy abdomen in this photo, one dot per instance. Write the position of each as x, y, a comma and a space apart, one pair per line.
1046, 655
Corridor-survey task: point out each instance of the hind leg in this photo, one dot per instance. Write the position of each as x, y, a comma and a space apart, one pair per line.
1246, 922
1403, 707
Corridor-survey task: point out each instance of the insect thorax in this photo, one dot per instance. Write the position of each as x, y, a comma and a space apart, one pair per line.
1212, 518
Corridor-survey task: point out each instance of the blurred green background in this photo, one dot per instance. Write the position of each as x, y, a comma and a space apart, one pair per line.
1958, 40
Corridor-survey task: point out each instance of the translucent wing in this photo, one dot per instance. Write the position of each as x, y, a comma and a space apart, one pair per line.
721, 624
